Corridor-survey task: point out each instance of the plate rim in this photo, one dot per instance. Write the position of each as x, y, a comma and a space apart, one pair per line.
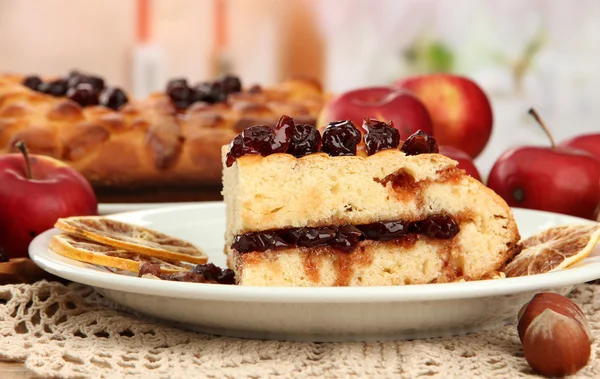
40, 254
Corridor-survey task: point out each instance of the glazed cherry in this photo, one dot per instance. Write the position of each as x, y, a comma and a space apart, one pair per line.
84, 94
236, 150
231, 84
259, 139
439, 226
75, 78
420, 143
284, 130
210, 92
385, 231
380, 135
263, 140
33, 82
340, 138
56, 87
113, 98
305, 140
180, 94
176, 82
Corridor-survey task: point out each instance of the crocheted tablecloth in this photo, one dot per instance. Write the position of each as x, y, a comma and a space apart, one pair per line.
73, 332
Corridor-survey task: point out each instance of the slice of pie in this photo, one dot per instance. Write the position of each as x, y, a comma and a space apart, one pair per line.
356, 207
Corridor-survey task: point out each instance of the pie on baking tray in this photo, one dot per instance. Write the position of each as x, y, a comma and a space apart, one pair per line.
163, 147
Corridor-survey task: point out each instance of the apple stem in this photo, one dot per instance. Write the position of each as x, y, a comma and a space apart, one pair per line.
539, 120
23, 148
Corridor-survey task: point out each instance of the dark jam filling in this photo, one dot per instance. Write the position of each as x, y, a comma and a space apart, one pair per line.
345, 237
340, 138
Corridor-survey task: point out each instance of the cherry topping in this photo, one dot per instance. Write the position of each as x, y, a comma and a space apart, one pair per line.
180, 93
440, 226
340, 138
176, 82
231, 84
305, 140
236, 150
33, 82
420, 143
380, 135
210, 92
259, 139
265, 140
183, 95
113, 98
75, 78
56, 87
284, 130
84, 94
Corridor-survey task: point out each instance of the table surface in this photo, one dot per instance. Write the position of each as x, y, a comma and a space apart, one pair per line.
14, 370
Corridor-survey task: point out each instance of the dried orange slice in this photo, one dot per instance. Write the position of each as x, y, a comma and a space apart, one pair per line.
83, 250
133, 238
554, 249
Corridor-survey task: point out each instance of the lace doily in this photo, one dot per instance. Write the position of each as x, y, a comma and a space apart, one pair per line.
73, 332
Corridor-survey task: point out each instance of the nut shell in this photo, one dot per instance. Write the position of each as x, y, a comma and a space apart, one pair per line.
555, 302
556, 345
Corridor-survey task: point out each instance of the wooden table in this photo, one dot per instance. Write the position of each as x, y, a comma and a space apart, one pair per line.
14, 370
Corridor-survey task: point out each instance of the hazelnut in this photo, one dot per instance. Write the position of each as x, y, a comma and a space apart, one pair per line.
555, 335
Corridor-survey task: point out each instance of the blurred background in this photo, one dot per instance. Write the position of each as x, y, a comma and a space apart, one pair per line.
523, 53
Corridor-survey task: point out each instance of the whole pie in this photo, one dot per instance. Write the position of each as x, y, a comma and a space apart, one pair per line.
171, 139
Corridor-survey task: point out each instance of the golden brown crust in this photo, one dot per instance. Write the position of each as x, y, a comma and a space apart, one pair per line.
386, 186
148, 142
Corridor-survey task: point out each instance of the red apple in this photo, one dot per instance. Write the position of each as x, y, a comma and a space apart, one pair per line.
383, 103
556, 179
460, 110
587, 142
464, 160
36, 190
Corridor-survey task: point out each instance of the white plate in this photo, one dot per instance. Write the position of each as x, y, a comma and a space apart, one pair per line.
313, 314
111, 208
